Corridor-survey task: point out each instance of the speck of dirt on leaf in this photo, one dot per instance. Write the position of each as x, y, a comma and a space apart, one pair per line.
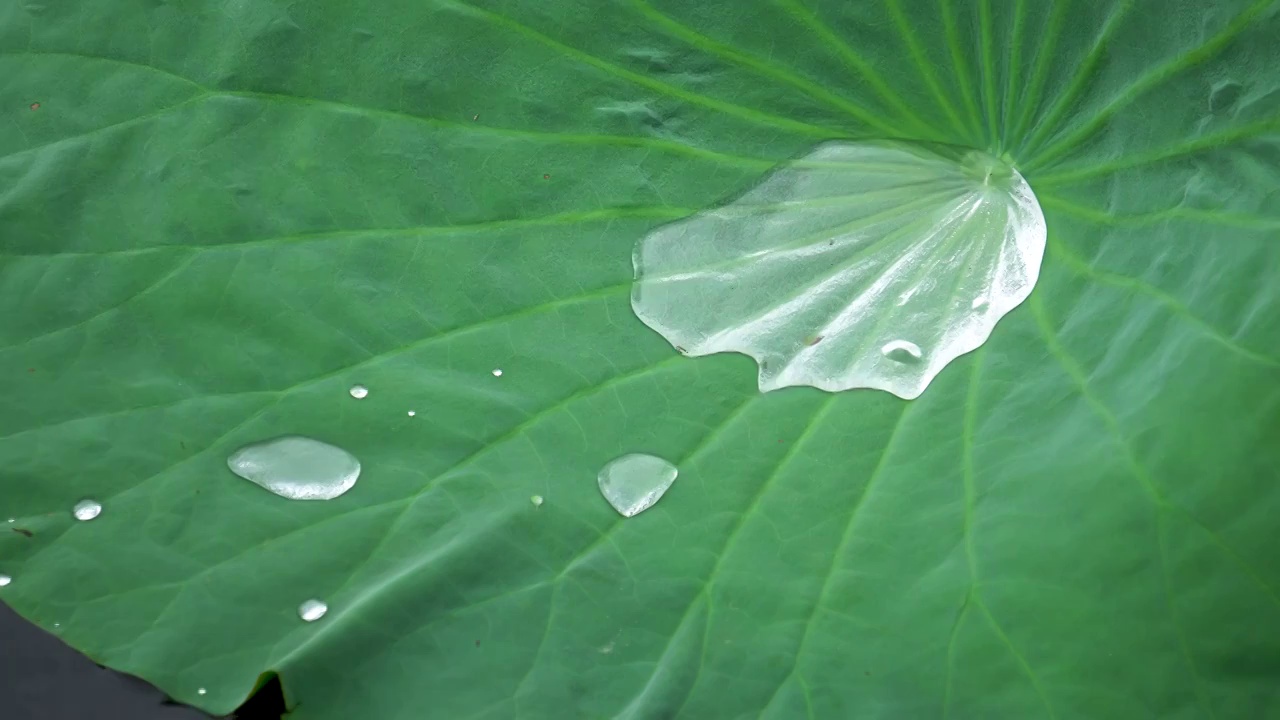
35, 106
546, 177
24, 531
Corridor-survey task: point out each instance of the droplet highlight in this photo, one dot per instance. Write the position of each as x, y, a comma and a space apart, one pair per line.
312, 610
297, 467
5, 580
202, 691
87, 510
497, 372
633, 483
359, 392
411, 413
536, 500
902, 351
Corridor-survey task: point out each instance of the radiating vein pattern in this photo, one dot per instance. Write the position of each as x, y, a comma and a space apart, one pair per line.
929, 249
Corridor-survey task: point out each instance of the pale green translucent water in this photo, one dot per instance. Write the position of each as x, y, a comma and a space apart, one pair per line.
297, 467
633, 483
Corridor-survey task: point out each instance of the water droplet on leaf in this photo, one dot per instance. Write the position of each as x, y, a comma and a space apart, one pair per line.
412, 413
633, 483
87, 510
497, 372
201, 691
858, 243
359, 392
312, 610
536, 500
902, 351
297, 467
5, 580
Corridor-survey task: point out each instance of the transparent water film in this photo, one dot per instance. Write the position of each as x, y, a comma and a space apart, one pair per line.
861, 265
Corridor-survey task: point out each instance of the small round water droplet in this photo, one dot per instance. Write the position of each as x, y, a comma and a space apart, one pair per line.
980, 303
497, 372
536, 500
201, 691
412, 413
633, 483
359, 392
902, 351
312, 610
5, 580
87, 510
12, 519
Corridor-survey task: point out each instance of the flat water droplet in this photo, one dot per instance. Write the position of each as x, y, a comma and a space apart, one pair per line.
87, 510
902, 351
497, 372
536, 500
297, 467
312, 610
633, 483
201, 691
359, 392
859, 244
5, 580
412, 413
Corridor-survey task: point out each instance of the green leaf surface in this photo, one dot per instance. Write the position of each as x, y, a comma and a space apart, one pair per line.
215, 218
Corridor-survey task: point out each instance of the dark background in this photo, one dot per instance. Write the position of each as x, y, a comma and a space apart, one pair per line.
43, 679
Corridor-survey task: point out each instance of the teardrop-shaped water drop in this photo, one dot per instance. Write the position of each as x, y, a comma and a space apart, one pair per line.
87, 510
902, 351
359, 392
633, 483
312, 610
297, 467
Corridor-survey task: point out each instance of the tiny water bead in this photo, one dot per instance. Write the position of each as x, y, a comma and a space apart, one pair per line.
297, 467
359, 392
312, 610
201, 691
536, 500
87, 510
5, 580
497, 372
412, 413
633, 483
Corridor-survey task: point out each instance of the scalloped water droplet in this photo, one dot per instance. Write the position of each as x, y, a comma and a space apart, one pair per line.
633, 483
297, 467
858, 244
87, 510
312, 610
